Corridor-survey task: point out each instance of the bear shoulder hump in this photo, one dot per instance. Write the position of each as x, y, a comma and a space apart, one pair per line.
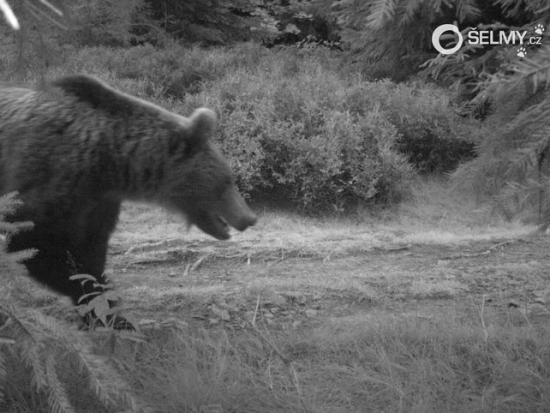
90, 90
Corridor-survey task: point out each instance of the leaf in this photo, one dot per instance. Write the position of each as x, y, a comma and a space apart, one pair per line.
85, 277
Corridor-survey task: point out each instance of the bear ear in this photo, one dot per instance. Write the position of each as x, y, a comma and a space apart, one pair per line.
93, 91
203, 124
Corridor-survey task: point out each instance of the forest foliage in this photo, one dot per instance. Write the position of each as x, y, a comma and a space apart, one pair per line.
328, 104
504, 85
495, 96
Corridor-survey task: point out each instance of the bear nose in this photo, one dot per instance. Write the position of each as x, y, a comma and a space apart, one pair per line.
248, 219
236, 211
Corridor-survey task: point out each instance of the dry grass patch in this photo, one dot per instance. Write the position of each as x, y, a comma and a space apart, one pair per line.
436, 214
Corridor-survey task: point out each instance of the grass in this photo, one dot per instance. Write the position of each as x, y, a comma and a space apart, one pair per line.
361, 363
438, 214
444, 357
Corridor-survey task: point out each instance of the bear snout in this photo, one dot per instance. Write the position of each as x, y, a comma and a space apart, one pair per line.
235, 210
247, 219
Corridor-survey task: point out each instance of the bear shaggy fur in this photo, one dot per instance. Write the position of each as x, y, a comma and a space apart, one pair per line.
77, 148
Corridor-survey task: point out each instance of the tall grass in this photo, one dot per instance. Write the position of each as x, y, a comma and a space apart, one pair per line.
363, 363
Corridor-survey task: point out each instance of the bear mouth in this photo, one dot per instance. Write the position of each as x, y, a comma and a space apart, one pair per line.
216, 226
223, 225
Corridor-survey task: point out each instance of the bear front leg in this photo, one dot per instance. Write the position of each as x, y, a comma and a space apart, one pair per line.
53, 263
68, 246
94, 227
87, 236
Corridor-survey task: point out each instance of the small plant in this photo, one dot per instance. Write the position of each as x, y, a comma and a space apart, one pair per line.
103, 308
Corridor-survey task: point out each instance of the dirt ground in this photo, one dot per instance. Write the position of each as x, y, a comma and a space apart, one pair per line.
232, 283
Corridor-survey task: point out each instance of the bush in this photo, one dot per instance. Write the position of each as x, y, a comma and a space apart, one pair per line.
432, 135
286, 123
342, 161
176, 70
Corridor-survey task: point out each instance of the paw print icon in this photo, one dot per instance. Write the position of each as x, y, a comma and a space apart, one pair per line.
539, 29
522, 52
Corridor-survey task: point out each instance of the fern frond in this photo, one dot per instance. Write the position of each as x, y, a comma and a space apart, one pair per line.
381, 12
532, 121
410, 11
509, 165
39, 338
57, 396
467, 9
514, 7
8, 204
535, 69
105, 381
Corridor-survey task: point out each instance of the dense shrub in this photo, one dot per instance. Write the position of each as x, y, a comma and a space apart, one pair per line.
432, 135
286, 123
329, 137
341, 160
176, 70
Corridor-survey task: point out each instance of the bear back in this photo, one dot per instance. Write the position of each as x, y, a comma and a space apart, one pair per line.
102, 97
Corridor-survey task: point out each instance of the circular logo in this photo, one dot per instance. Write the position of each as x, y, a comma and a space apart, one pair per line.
442, 29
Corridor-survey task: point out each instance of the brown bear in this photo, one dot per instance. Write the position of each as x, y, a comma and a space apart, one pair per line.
77, 148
